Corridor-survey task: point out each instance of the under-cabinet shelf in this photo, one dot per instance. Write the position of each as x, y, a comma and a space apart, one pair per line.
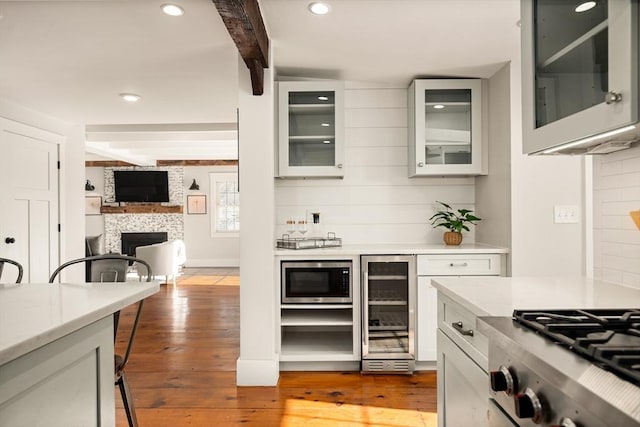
307, 344
300, 317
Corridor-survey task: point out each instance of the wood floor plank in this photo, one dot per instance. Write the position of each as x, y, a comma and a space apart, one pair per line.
182, 373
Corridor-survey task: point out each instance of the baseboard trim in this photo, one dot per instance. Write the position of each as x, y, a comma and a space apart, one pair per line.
257, 372
321, 366
212, 262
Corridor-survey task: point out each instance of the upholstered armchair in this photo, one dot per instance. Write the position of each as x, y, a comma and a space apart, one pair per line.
165, 258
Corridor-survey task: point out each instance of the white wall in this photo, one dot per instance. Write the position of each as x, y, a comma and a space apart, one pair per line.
493, 191
258, 361
203, 250
94, 224
375, 202
538, 183
616, 182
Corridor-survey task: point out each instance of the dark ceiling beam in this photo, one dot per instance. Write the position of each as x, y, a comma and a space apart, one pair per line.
244, 23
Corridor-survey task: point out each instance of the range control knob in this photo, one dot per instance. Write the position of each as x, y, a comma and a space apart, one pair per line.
503, 380
528, 405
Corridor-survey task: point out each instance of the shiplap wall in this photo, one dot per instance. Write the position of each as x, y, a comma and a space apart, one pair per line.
375, 202
616, 182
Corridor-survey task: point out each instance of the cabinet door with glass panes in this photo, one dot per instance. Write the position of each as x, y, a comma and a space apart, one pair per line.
310, 129
445, 127
579, 71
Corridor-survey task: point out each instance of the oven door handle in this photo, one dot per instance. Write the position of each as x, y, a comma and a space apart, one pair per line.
458, 326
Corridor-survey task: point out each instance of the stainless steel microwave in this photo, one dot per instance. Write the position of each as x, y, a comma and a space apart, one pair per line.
327, 282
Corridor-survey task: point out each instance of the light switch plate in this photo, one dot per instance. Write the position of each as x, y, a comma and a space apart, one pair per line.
566, 214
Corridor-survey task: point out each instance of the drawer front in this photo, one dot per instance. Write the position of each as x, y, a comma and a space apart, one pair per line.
459, 265
459, 324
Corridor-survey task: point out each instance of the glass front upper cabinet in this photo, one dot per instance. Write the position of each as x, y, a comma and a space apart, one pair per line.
579, 69
311, 129
445, 127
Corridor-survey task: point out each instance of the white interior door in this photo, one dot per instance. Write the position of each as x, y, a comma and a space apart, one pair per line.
29, 198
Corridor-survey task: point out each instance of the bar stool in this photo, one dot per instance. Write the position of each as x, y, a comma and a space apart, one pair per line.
120, 361
4, 261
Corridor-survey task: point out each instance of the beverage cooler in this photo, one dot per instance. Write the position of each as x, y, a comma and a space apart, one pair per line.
388, 326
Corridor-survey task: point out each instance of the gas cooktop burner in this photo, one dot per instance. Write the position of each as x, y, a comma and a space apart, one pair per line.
609, 337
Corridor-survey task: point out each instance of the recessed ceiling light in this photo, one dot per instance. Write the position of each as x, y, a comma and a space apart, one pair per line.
585, 6
318, 8
323, 98
130, 97
172, 9
438, 106
325, 124
326, 141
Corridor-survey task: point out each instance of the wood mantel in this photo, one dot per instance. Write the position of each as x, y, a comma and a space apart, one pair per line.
141, 209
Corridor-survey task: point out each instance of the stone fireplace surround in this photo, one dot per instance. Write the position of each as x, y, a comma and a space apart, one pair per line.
171, 224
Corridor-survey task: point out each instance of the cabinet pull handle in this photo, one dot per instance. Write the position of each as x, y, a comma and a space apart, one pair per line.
339, 165
612, 97
458, 326
458, 264
420, 164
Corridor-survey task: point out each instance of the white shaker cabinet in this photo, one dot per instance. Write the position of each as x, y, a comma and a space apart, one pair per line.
310, 129
446, 132
463, 393
579, 73
438, 265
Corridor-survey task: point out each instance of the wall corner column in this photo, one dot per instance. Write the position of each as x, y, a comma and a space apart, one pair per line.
258, 363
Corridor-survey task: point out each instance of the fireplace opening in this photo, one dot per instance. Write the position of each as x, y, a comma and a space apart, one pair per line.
130, 241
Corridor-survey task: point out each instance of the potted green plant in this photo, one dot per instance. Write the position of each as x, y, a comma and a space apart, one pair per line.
453, 221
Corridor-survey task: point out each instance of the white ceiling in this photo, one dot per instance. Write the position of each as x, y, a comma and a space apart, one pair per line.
71, 59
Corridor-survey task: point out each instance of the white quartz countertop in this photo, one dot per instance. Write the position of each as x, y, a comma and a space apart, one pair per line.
499, 296
35, 314
394, 249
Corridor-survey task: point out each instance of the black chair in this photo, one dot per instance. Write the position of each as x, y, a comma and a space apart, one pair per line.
4, 261
120, 361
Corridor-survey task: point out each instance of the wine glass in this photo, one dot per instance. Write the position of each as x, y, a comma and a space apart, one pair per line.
302, 226
291, 227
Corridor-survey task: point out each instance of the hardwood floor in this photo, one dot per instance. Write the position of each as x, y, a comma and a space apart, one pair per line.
182, 372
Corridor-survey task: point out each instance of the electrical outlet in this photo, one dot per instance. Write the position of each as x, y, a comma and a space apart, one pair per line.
566, 214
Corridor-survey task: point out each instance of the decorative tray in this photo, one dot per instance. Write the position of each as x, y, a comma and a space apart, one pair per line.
286, 242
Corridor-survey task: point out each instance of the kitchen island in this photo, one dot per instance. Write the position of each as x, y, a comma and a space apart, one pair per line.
463, 379
56, 351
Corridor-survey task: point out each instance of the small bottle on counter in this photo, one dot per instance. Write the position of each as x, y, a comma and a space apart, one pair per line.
316, 230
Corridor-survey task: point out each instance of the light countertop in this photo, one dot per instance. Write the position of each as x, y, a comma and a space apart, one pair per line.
499, 296
394, 249
35, 314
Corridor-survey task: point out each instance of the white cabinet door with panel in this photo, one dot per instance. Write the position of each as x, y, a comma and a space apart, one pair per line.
310, 129
579, 72
463, 381
440, 265
445, 122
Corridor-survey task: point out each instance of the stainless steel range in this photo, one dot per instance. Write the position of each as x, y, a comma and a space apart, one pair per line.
564, 368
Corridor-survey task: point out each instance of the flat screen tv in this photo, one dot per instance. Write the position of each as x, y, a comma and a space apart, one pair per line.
141, 186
